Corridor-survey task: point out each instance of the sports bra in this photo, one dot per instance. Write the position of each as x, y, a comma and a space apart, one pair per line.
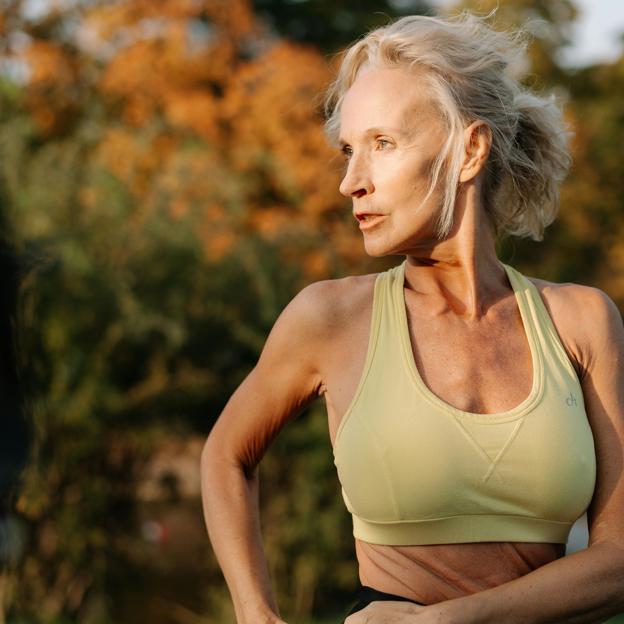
414, 469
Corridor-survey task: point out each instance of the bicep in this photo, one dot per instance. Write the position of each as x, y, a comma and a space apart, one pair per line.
603, 392
285, 379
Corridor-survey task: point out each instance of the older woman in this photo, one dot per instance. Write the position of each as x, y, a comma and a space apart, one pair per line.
475, 413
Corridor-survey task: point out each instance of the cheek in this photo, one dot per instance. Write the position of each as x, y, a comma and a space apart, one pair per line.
406, 180
422, 177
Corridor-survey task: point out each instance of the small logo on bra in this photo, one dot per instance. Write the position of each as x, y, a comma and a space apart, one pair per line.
570, 401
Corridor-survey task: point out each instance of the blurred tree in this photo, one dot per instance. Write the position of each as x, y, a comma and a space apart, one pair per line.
592, 196
549, 21
329, 25
16, 434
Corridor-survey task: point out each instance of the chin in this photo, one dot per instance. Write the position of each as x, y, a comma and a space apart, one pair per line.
376, 250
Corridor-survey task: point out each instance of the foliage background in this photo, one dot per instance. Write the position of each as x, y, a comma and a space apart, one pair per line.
166, 186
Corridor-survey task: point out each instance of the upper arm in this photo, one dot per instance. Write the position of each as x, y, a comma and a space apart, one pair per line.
603, 392
286, 378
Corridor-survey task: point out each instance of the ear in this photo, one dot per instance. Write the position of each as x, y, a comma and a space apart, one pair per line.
477, 143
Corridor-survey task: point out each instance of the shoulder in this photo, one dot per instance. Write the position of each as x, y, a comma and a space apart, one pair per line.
566, 295
586, 318
326, 304
320, 312
312, 327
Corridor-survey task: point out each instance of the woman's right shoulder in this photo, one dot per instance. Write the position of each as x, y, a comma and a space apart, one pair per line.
333, 302
316, 320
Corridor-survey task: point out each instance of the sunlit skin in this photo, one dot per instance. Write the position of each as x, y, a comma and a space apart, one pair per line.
390, 134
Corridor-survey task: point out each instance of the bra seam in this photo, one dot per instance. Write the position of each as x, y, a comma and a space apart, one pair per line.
491, 515
384, 468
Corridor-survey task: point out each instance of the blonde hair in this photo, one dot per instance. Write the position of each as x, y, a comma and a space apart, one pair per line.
473, 72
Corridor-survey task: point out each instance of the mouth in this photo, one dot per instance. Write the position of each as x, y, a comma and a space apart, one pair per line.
368, 216
369, 220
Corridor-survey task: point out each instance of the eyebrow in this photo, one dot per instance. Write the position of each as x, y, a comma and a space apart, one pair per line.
376, 130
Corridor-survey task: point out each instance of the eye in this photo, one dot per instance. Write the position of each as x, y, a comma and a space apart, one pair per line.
346, 152
383, 143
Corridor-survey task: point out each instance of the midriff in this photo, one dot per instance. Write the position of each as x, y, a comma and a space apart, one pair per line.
436, 572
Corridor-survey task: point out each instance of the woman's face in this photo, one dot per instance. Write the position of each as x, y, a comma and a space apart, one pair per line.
390, 135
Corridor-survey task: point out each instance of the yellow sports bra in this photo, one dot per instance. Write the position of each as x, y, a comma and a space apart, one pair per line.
416, 470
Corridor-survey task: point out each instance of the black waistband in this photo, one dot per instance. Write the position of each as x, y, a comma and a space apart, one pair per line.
369, 593
366, 595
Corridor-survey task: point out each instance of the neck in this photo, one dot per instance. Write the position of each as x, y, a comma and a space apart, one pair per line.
462, 272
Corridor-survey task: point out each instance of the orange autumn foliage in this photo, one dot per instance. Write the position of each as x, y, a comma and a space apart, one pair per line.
205, 108
53, 84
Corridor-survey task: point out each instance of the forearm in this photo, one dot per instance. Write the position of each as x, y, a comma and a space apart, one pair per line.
584, 587
231, 513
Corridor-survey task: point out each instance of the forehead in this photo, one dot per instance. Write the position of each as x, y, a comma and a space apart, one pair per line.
386, 97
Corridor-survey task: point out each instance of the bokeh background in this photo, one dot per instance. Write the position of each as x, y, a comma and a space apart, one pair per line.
165, 190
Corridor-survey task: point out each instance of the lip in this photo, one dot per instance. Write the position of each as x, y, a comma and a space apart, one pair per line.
373, 220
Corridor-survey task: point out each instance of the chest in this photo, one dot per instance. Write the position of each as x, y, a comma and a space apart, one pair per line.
484, 367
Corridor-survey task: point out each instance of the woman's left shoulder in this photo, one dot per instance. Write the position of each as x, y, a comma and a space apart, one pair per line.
586, 318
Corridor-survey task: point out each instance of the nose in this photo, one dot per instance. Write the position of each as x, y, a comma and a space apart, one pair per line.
357, 181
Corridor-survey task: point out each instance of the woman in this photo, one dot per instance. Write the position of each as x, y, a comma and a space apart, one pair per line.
474, 413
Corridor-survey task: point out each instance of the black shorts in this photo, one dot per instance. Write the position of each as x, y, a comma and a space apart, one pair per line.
366, 595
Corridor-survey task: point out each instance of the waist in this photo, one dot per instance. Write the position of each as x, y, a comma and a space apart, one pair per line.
431, 573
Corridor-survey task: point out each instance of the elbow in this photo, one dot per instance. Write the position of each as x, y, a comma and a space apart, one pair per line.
216, 449
213, 457
217, 457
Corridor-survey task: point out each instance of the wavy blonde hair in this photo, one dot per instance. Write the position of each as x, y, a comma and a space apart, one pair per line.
473, 73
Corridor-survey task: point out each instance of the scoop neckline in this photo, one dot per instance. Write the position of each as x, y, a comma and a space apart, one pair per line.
536, 357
